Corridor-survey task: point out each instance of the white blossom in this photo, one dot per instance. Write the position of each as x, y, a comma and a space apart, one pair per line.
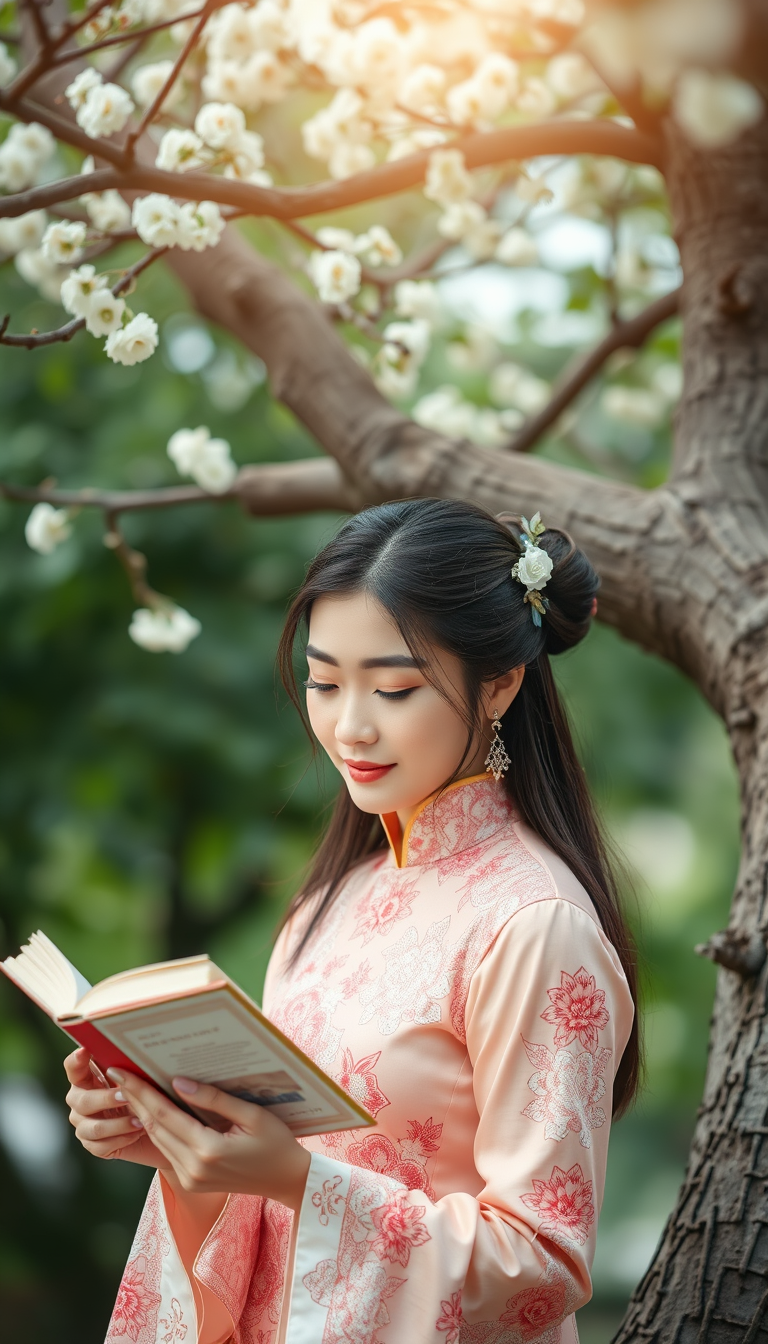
23, 231
475, 352
208, 461
570, 76
459, 219
376, 53
63, 242
714, 108
269, 26
220, 125
200, 226
341, 240
223, 82
133, 343
378, 247
77, 92
148, 80
404, 350
265, 79
534, 568
169, 630
348, 159
46, 527
156, 220
179, 151
536, 98
486, 94
34, 267
446, 412
639, 406
447, 180
78, 289
418, 298
335, 275
517, 248
533, 190
423, 89
104, 313
427, 137
22, 154
246, 160
511, 385
7, 66
106, 110
108, 211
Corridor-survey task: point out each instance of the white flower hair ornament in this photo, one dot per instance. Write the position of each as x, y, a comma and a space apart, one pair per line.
534, 568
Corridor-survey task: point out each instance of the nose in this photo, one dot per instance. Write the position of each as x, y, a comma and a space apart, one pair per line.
353, 724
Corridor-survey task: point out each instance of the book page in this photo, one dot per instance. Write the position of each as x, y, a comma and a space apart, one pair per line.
213, 1038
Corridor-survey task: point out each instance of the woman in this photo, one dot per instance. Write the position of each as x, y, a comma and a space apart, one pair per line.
456, 959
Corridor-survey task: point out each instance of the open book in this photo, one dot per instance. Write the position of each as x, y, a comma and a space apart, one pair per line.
187, 1019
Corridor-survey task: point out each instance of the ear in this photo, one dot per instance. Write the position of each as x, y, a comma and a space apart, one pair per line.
500, 693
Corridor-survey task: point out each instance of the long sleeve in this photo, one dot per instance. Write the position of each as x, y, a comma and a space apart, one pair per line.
547, 1018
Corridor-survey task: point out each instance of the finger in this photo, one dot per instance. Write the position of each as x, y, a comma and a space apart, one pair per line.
209, 1098
92, 1100
94, 1130
111, 1147
77, 1067
157, 1111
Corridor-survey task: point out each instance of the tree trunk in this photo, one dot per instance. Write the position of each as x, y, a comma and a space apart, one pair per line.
709, 1278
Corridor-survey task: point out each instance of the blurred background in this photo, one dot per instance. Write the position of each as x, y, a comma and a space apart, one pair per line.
153, 805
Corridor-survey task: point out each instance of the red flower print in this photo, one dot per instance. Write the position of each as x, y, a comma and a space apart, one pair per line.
359, 1080
353, 983
568, 1087
399, 1227
564, 1203
327, 1201
421, 1141
173, 1324
307, 1019
577, 1009
137, 1305
451, 1318
377, 1152
532, 1310
388, 900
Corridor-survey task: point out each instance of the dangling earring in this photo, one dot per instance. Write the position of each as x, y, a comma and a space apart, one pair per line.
497, 761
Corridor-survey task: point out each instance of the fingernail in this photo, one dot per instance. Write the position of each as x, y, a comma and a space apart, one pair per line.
115, 1076
119, 1096
185, 1085
136, 1123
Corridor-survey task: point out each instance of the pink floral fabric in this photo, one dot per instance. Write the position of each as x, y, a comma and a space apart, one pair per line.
463, 990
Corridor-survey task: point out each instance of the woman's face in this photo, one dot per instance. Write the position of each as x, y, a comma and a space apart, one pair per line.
393, 738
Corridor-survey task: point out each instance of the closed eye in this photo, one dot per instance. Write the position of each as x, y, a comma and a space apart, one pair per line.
313, 685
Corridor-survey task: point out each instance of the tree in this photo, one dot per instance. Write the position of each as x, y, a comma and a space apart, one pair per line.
672, 86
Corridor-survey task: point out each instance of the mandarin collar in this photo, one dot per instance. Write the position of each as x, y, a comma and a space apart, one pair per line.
465, 814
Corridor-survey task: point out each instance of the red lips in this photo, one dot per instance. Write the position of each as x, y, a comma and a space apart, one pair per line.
365, 772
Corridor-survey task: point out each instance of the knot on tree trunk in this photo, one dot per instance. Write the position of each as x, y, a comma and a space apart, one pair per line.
736, 950
735, 295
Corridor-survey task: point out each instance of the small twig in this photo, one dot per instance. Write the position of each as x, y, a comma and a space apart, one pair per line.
26, 78
628, 334
31, 340
112, 501
133, 562
736, 950
77, 53
157, 102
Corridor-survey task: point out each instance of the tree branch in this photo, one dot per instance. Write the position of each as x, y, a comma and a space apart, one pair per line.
152, 110
630, 333
31, 340
481, 149
269, 489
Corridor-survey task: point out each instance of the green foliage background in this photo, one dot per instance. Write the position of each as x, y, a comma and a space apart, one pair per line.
154, 805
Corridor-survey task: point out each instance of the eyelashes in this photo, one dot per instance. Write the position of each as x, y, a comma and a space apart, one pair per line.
330, 686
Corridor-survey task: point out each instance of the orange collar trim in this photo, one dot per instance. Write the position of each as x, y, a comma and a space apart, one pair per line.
397, 837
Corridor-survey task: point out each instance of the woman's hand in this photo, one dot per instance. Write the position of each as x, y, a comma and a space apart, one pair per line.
102, 1122
255, 1155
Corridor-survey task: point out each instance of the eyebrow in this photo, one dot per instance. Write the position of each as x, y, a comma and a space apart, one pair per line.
390, 660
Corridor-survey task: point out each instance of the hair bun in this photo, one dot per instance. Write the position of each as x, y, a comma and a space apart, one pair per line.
571, 590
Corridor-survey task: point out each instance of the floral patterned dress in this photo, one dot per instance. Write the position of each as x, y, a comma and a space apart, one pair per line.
463, 990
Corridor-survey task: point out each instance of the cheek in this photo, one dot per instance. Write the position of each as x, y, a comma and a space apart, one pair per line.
322, 719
